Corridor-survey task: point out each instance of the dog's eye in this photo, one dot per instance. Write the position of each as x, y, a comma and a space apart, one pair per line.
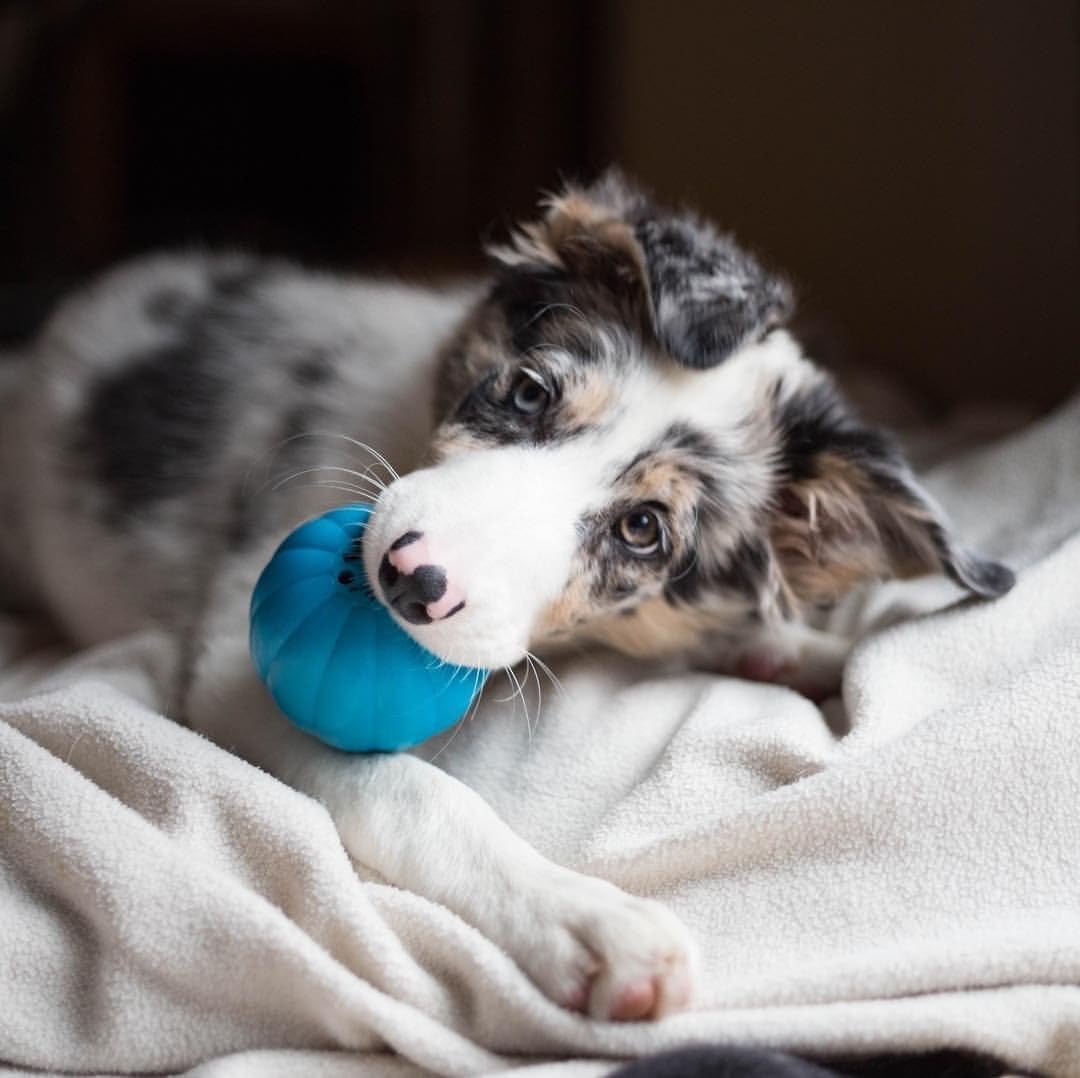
529, 395
640, 530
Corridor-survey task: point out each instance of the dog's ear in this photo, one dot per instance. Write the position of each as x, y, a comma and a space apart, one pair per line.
847, 507
693, 289
708, 296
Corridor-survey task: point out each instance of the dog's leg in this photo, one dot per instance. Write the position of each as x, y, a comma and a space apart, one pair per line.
585, 943
807, 660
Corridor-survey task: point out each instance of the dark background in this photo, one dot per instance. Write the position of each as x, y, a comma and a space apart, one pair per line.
912, 165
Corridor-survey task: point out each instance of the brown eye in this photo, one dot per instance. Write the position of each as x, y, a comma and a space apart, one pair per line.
528, 394
640, 530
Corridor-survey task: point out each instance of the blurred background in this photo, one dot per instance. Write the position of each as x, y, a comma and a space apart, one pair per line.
913, 166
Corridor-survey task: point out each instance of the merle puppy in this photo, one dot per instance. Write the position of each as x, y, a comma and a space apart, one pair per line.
612, 439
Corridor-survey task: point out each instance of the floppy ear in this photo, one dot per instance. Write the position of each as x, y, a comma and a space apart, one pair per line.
691, 288
848, 508
709, 297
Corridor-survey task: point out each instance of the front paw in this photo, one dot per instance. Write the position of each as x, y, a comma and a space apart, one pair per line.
595, 949
817, 682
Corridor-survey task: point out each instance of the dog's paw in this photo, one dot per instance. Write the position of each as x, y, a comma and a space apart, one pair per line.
595, 949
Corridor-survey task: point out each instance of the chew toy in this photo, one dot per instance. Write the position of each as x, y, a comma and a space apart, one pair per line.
334, 660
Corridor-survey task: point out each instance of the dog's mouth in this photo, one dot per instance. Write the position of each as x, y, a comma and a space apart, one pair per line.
459, 638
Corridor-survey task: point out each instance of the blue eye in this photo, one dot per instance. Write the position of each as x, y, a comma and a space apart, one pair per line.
529, 395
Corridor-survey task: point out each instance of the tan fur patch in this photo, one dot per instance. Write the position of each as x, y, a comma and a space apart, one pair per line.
577, 226
451, 439
837, 529
652, 628
578, 234
655, 628
574, 607
589, 399
660, 478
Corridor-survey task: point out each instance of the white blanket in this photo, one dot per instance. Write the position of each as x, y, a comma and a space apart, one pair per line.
914, 884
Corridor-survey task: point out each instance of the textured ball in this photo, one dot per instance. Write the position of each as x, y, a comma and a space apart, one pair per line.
334, 660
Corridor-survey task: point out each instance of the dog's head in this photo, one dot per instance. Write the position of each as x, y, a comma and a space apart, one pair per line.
631, 448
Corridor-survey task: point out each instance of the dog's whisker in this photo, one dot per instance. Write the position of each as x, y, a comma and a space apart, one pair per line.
267, 456
556, 683
515, 692
391, 470
524, 706
690, 567
540, 347
336, 484
369, 449
510, 696
524, 703
482, 683
367, 475
453, 733
287, 480
539, 690
469, 712
557, 307
333, 484
437, 663
319, 468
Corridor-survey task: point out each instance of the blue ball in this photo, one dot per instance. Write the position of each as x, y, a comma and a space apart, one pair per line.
334, 660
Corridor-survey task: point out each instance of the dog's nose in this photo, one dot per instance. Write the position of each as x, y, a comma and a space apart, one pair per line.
417, 590
410, 595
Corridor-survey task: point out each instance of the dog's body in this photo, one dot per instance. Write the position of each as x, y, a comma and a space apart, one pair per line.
622, 444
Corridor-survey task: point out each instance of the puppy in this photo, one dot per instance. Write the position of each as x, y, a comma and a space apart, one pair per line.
612, 439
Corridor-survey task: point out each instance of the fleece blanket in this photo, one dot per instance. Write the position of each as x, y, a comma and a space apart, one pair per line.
899, 870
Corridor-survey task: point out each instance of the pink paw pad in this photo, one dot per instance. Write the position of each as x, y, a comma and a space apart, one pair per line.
635, 1000
760, 667
578, 1000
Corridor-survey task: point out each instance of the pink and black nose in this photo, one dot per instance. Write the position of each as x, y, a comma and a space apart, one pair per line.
419, 591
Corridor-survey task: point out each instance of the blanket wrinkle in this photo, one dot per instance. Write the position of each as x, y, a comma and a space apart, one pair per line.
901, 873
98, 860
